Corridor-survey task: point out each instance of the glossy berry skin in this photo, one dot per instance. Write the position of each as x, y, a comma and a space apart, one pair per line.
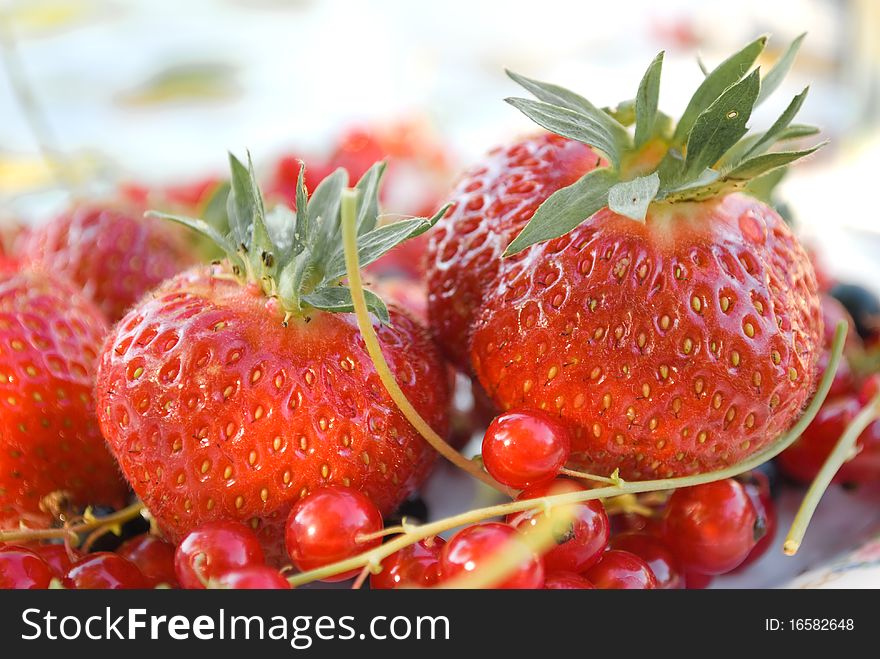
566, 581
522, 448
478, 545
254, 577
711, 528
57, 557
50, 337
844, 379
677, 345
213, 550
153, 556
653, 550
216, 411
414, 566
803, 459
328, 526
581, 542
758, 488
621, 570
21, 569
112, 254
697, 581
104, 571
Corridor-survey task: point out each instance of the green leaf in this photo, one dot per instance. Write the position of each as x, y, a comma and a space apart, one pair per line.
763, 187
337, 299
623, 113
565, 209
760, 165
632, 198
771, 81
721, 125
240, 206
573, 125
323, 213
201, 227
559, 96
378, 242
281, 225
646, 101
771, 136
214, 210
729, 72
302, 205
368, 200
735, 154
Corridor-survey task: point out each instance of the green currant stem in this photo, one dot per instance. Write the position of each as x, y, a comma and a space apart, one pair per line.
842, 452
70, 532
391, 530
580, 475
416, 533
371, 341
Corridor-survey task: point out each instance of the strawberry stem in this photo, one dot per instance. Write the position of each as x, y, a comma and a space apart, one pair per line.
843, 451
71, 532
371, 341
416, 533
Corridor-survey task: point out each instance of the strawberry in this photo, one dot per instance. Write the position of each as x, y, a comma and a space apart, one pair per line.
112, 254
50, 336
234, 390
671, 319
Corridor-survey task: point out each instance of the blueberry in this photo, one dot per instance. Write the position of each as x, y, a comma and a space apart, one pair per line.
862, 305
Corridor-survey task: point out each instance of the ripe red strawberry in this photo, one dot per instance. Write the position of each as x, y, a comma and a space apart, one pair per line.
672, 320
112, 254
232, 391
50, 336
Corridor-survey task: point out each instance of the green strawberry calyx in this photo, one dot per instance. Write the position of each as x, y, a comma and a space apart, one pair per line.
709, 152
297, 257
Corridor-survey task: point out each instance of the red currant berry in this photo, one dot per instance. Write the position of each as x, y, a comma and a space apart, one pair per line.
213, 550
697, 581
758, 488
330, 525
414, 566
476, 546
22, 569
57, 556
521, 448
104, 570
153, 556
566, 581
651, 549
253, 577
621, 570
803, 459
711, 528
580, 542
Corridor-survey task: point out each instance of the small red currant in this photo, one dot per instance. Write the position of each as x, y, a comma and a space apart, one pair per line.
104, 570
697, 581
213, 550
566, 581
476, 546
153, 556
621, 570
22, 569
758, 488
525, 447
651, 549
253, 577
57, 556
712, 527
414, 566
329, 525
580, 542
